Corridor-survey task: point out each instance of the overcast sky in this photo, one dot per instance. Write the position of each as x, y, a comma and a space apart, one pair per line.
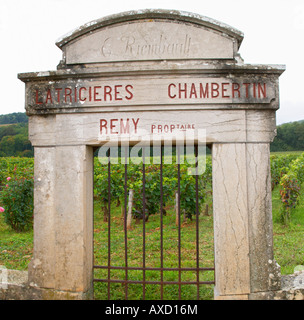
273, 34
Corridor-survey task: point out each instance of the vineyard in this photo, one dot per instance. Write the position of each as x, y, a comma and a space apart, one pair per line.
16, 206
16, 186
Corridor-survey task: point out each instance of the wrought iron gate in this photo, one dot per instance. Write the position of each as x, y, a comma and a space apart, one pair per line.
124, 274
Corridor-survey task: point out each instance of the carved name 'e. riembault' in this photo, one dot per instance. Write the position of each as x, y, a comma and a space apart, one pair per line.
131, 46
143, 93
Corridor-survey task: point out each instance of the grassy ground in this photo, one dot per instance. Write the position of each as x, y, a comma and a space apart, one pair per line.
16, 250
152, 254
288, 239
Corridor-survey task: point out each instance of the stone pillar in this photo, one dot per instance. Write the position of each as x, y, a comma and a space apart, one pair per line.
264, 271
244, 265
62, 264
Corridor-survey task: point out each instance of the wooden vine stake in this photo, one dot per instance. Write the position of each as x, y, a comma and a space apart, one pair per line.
130, 207
176, 209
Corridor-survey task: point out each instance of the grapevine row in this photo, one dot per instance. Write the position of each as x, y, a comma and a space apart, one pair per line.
290, 186
16, 186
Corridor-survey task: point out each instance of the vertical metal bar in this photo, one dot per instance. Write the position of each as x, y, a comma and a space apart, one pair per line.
197, 221
125, 223
161, 226
109, 223
144, 223
179, 223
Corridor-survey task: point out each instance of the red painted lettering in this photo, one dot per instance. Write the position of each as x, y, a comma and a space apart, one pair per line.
103, 124
48, 96
184, 90
247, 89
90, 94
236, 88
37, 101
193, 91
107, 92
204, 92
153, 127
58, 90
129, 92
169, 90
262, 90
80, 94
224, 90
117, 92
113, 126
124, 128
67, 93
75, 94
96, 93
135, 124
215, 90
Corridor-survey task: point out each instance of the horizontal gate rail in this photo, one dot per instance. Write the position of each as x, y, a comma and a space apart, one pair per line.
154, 268
153, 282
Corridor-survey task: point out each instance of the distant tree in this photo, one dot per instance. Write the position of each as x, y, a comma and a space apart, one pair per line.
290, 137
14, 141
16, 117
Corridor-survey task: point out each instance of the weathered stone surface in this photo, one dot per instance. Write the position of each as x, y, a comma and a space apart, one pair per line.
63, 220
18, 287
149, 40
90, 92
264, 271
150, 35
292, 288
234, 90
230, 210
94, 128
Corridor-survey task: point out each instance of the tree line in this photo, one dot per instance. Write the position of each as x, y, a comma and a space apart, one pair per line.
14, 136
290, 137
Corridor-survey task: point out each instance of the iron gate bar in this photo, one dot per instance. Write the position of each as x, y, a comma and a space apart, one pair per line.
155, 268
125, 221
109, 221
154, 282
144, 223
179, 224
161, 225
197, 220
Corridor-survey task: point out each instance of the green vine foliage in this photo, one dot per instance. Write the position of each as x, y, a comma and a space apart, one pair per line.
152, 188
16, 194
17, 199
290, 187
279, 166
16, 191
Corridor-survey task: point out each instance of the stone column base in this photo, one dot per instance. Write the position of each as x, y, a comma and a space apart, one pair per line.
17, 287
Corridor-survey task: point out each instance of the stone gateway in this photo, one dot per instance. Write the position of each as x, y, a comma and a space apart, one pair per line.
152, 70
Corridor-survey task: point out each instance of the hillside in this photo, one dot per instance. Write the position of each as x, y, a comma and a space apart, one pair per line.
290, 137
11, 118
14, 136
